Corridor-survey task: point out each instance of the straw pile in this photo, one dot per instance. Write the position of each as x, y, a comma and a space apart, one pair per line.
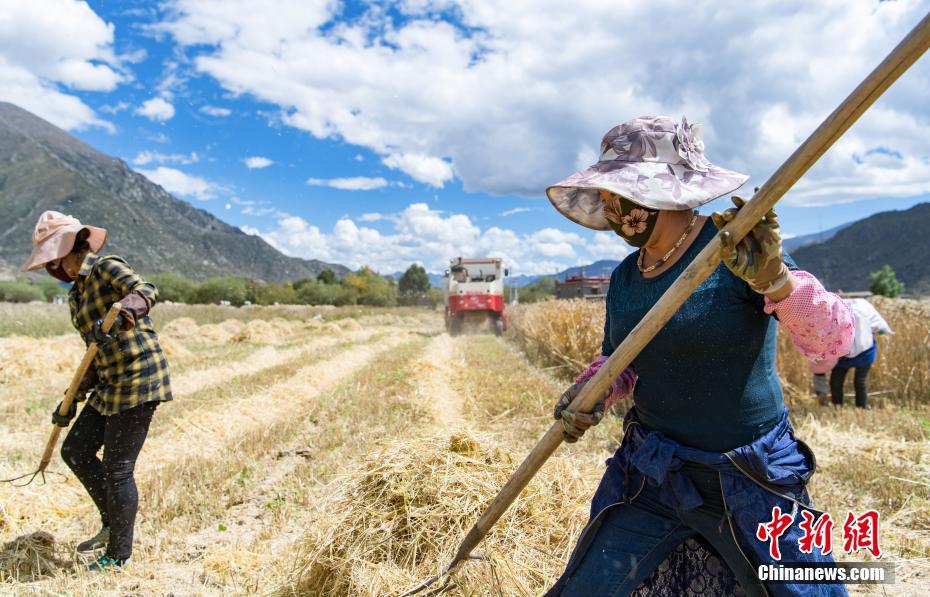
182, 328
350, 325
173, 348
22, 357
401, 518
234, 331
260, 331
30, 557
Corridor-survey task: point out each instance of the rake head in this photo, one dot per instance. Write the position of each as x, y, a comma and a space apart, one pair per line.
444, 574
31, 477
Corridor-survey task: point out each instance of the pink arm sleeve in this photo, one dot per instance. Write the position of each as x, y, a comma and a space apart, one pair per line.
622, 386
819, 323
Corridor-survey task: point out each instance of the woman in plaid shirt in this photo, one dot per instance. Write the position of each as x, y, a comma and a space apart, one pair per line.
127, 381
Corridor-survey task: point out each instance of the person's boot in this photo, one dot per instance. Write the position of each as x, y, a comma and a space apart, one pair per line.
98, 541
105, 563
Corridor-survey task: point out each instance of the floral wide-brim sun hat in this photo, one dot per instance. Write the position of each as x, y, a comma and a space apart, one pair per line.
651, 160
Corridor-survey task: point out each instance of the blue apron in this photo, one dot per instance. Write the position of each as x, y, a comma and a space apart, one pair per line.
771, 471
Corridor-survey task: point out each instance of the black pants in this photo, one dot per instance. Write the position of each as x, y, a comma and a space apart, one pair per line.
860, 381
110, 481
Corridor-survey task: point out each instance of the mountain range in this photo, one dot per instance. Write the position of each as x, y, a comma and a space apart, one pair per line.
842, 257
44, 168
900, 239
796, 242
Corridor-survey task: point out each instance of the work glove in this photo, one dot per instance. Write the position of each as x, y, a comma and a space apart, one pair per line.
103, 338
64, 420
757, 257
574, 424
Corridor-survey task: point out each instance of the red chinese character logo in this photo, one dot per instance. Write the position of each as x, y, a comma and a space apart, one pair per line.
819, 533
862, 533
771, 531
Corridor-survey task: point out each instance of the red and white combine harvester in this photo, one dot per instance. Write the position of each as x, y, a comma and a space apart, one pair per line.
475, 295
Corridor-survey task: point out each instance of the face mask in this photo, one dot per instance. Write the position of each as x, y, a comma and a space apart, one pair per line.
631, 221
58, 272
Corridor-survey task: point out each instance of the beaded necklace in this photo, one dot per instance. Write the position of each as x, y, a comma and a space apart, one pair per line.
642, 252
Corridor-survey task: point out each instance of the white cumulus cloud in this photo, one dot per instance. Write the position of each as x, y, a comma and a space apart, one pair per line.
510, 97
257, 162
354, 183
144, 158
52, 47
157, 109
180, 183
216, 111
424, 235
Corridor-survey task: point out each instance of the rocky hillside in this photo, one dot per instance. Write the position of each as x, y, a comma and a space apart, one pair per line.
43, 167
898, 238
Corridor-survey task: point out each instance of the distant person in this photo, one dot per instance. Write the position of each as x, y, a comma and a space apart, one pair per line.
128, 379
708, 450
862, 355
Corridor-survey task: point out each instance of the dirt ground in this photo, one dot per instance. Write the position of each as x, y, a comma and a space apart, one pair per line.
272, 419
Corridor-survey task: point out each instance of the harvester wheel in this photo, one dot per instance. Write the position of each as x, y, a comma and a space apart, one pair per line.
455, 325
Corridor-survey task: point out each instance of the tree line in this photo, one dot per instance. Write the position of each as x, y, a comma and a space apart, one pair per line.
364, 287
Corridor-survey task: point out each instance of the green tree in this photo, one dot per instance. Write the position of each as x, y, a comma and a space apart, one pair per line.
223, 288
312, 292
540, 290
885, 283
366, 287
327, 276
435, 296
271, 294
298, 284
173, 287
51, 288
413, 287
20, 291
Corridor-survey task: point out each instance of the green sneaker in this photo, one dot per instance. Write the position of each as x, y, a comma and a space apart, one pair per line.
105, 563
98, 541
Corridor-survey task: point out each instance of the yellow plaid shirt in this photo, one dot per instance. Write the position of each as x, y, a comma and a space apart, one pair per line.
132, 369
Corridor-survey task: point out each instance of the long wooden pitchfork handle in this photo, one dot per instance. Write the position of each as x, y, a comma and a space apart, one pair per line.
895, 64
86, 362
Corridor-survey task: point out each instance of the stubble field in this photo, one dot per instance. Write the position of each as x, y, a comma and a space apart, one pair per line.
347, 451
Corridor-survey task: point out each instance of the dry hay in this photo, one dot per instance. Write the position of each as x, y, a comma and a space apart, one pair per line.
564, 334
350, 325
331, 328
260, 331
22, 357
235, 331
30, 557
173, 348
182, 328
401, 518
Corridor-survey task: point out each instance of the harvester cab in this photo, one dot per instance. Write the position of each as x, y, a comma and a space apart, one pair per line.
475, 295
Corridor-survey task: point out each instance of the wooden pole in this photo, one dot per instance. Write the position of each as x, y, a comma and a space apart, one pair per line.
75, 382
879, 80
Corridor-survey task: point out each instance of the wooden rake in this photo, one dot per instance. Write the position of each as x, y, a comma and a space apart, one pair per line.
908, 51
66, 403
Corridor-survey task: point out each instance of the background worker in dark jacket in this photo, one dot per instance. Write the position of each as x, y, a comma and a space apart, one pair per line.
127, 380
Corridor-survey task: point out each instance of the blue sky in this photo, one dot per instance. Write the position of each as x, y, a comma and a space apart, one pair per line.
415, 130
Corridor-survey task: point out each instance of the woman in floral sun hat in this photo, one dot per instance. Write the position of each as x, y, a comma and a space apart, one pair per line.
708, 450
